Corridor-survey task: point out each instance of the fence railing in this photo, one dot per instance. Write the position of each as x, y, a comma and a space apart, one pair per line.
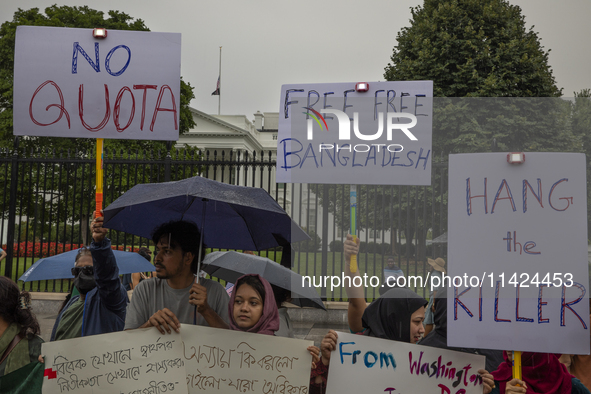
46, 199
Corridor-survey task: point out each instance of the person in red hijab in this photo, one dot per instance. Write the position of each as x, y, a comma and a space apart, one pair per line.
541, 373
579, 365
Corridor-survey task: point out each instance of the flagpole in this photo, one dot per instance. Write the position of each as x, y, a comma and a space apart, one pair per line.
220, 78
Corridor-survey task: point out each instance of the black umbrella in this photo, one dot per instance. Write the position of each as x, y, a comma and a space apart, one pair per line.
229, 217
229, 266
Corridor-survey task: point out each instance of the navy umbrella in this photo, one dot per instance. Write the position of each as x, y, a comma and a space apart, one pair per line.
228, 216
231, 265
60, 265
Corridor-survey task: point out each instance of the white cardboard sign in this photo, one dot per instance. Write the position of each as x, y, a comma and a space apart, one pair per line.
199, 360
69, 84
134, 361
224, 361
333, 133
372, 365
518, 253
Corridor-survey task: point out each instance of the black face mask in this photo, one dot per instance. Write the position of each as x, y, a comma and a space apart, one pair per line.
84, 283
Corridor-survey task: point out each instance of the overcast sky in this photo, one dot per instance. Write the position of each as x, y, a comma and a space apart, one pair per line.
267, 43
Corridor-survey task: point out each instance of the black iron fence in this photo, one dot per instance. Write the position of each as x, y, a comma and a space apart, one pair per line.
46, 198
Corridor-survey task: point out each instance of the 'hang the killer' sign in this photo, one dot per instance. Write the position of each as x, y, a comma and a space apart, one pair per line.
518, 257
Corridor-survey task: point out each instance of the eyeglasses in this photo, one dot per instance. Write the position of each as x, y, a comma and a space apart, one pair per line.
88, 270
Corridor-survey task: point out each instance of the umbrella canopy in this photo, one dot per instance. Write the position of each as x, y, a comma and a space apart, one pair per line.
60, 265
229, 266
236, 217
442, 239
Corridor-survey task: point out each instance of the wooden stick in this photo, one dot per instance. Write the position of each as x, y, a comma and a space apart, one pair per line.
99, 177
516, 358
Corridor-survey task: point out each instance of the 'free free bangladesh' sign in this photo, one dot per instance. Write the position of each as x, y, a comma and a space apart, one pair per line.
345, 133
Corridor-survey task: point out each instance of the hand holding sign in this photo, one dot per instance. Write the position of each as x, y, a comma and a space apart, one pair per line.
164, 320
488, 381
516, 386
328, 345
351, 247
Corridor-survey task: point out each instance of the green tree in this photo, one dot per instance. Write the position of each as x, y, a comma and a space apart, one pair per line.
483, 62
472, 48
581, 126
581, 118
481, 48
79, 17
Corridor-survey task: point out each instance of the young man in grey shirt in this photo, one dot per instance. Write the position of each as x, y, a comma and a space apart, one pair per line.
173, 297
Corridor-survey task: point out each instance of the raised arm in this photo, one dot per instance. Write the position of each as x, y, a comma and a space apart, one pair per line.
106, 272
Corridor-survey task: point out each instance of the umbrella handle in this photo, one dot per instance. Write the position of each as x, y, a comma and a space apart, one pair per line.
201, 239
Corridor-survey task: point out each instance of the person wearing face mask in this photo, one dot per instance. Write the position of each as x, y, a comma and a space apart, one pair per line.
101, 305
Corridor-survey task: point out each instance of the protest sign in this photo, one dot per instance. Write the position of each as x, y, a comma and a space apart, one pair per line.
518, 253
347, 133
224, 361
136, 361
363, 364
69, 84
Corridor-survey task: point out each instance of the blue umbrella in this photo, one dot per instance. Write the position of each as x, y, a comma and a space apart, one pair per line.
60, 265
229, 216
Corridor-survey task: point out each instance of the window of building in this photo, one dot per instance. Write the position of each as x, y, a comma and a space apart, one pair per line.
312, 219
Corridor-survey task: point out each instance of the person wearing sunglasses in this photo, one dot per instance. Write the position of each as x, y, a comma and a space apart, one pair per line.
102, 301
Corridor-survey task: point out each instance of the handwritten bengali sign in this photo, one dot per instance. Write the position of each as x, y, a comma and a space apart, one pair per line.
224, 361
518, 270
127, 362
363, 364
348, 133
69, 84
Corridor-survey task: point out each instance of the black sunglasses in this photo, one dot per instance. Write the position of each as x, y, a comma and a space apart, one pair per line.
88, 270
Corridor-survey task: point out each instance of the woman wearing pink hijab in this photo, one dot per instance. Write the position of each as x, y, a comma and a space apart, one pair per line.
252, 308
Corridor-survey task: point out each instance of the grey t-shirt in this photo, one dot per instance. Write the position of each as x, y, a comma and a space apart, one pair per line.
285, 326
155, 294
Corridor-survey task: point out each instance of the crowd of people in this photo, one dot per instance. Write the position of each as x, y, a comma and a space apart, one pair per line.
100, 305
